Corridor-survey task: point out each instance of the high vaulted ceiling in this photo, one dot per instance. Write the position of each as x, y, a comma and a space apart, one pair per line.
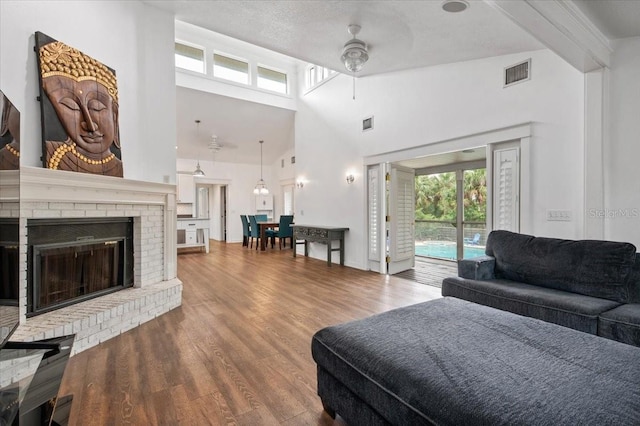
400, 35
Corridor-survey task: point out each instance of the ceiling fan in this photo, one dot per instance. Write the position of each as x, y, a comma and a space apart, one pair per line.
216, 146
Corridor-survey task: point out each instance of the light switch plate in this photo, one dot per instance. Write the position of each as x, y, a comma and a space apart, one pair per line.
559, 215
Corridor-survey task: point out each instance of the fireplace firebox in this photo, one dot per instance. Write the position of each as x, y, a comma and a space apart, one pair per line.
72, 260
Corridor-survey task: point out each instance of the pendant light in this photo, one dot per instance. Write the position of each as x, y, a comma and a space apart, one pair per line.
261, 187
198, 171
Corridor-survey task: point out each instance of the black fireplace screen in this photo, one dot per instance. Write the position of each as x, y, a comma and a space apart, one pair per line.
75, 261
69, 272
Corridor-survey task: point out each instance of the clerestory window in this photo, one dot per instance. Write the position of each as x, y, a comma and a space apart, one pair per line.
273, 80
189, 57
227, 68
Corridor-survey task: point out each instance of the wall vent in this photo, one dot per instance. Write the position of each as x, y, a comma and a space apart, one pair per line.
517, 73
367, 123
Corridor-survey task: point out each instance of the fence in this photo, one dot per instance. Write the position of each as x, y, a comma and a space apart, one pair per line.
437, 230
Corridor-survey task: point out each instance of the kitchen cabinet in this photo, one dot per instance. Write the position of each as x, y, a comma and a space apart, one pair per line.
186, 188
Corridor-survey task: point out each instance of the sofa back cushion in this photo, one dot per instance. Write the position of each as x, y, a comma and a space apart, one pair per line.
593, 268
634, 281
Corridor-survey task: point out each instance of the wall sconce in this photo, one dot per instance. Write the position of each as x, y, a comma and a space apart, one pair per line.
350, 178
299, 184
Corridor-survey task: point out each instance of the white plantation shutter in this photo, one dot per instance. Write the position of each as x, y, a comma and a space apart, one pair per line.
405, 210
506, 189
373, 181
402, 211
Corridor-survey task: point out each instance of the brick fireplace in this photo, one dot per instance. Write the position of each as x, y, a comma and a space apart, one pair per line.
66, 196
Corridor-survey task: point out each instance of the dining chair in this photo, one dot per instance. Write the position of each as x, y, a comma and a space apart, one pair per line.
261, 218
254, 231
283, 232
245, 230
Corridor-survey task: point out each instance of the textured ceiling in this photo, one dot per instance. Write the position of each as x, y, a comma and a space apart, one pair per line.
400, 35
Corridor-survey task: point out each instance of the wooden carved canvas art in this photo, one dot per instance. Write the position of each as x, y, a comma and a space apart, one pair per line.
9, 135
79, 103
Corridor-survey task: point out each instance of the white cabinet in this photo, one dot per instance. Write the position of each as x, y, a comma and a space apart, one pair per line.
196, 233
264, 202
264, 205
186, 188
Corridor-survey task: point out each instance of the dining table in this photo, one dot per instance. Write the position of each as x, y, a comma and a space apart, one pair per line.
264, 225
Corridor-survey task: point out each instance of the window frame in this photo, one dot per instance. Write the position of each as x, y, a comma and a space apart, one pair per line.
249, 81
276, 70
193, 46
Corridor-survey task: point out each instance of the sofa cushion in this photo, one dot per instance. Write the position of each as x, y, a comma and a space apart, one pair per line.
589, 267
621, 324
449, 362
559, 307
634, 281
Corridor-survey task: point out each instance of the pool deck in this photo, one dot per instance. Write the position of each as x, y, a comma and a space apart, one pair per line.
430, 271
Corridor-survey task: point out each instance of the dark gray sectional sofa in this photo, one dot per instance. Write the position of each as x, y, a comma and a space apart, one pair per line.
452, 362
587, 285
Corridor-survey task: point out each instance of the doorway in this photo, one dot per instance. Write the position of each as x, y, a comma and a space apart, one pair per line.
211, 203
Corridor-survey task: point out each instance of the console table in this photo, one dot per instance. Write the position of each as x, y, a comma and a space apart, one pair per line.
320, 234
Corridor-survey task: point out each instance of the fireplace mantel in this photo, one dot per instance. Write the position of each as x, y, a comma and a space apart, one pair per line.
39, 184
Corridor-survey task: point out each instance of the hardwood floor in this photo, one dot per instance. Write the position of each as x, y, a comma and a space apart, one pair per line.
238, 350
430, 272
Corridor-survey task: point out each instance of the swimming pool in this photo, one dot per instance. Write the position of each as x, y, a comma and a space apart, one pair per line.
445, 250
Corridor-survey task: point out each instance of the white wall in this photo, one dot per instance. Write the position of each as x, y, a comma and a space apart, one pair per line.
284, 173
622, 155
240, 180
134, 39
429, 105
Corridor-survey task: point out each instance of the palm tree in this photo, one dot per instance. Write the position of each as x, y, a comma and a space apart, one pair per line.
475, 195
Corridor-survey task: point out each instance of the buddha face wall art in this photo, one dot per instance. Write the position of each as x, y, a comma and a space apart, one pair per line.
9, 135
79, 103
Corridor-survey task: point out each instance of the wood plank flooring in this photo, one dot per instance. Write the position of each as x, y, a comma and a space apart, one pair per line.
429, 272
238, 350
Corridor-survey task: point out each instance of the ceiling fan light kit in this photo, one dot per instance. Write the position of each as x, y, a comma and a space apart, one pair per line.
354, 54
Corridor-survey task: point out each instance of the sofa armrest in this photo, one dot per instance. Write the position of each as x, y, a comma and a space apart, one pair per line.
477, 268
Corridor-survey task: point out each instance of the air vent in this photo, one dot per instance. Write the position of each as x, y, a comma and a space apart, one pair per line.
517, 73
367, 123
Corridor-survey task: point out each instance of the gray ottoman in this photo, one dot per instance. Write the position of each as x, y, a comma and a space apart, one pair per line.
450, 361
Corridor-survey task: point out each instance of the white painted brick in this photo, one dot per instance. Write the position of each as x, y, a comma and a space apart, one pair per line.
106, 206
85, 206
73, 213
45, 214
61, 206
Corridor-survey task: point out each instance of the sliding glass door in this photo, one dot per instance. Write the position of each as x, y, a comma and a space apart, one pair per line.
450, 213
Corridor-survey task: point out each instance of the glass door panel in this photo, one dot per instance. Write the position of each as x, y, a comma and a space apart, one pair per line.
474, 212
436, 215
